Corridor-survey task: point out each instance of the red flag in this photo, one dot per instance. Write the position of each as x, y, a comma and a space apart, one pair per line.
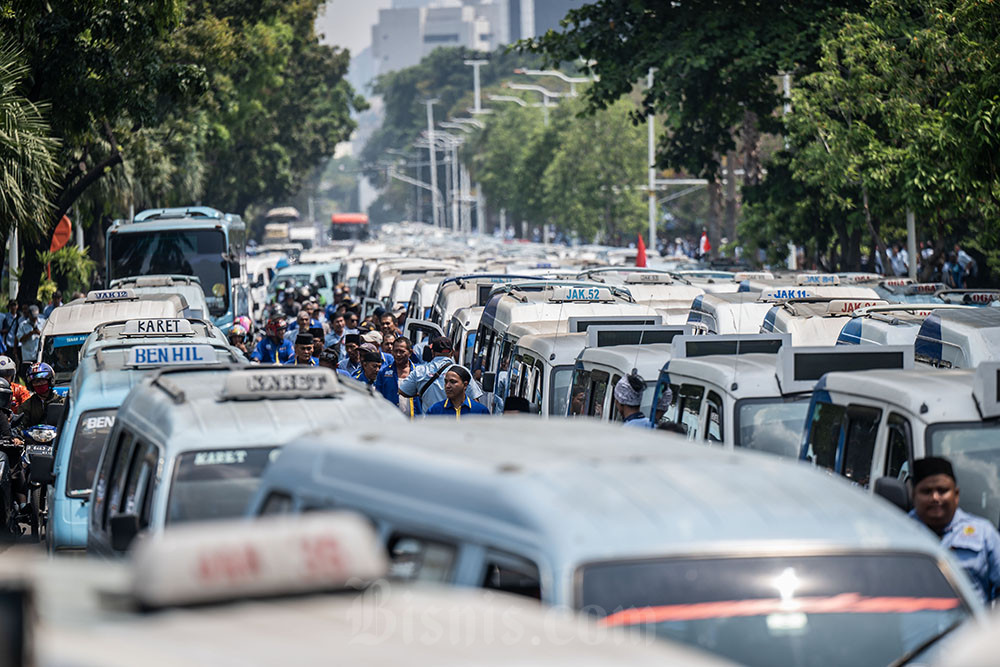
62, 234
640, 257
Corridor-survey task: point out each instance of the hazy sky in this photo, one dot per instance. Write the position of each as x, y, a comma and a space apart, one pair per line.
348, 23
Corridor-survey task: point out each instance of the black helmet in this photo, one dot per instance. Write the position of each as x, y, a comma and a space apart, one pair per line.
5, 393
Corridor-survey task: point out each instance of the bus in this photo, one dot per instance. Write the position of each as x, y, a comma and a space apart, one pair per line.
193, 241
348, 226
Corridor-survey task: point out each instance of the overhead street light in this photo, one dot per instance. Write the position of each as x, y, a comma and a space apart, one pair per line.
571, 80
476, 64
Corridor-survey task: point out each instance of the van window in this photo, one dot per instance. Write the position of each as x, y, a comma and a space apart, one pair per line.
578, 393
320, 280
512, 574
277, 503
598, 390
670, 414
859, 446
824, 434
415, 558
615, 415
91, 433
899, 449
118, 476
713, 431
689, 408
139, 487
536, 392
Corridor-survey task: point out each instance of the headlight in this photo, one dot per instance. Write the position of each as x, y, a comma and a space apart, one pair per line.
42, 434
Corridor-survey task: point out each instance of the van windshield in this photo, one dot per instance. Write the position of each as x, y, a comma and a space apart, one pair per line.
562, 378
216, 483
88, 440
857, 609
772, 425
63, 354
196, 252
974, 451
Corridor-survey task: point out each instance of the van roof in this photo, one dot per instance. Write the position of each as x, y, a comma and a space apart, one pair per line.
565, 346
82, 316
646, 359
947, 394
586, 492
185, 410
961, 337
753, 374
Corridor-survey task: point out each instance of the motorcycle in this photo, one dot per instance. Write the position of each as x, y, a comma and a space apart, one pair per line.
37, 457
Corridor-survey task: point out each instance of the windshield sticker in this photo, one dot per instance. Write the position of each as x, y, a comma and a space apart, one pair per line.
846, 603
221, 457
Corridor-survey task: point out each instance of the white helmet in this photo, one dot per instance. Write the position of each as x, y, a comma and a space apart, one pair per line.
7, 368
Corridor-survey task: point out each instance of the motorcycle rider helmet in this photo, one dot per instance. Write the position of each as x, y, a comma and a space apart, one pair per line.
237, 332
275, 327
41, 371
304, 293
7, 368
5, 394
244, 322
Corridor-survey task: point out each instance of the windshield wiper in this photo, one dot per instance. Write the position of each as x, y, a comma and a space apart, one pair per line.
914, 652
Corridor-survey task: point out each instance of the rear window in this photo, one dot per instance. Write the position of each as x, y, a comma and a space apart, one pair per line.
856, 609
91, 433
216, 483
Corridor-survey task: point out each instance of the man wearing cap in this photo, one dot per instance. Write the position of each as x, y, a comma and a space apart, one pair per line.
375, 338
628, 398
352, 362
973, 541
303, 352
371, 362
426, 381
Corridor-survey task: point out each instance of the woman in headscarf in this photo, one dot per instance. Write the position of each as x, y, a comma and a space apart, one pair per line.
628, 396
456, 381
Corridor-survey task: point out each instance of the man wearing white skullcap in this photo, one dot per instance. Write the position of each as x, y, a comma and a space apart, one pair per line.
628, 396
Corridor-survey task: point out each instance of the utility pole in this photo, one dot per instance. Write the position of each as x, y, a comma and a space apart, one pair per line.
12, 259
911, 243
651, 155
480, 209
431, 148
476, 64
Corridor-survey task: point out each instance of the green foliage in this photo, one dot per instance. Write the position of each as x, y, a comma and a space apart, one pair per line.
28, 165
716, 62
71, 267
440, 75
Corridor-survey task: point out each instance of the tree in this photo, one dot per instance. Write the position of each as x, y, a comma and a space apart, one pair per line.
28, 163
591, 184
716, 64
97, 64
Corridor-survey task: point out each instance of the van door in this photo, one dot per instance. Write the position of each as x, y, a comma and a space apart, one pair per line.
860, 436
689, 408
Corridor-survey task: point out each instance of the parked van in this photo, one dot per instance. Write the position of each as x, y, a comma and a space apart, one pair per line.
636, 528
68, 326
181, 450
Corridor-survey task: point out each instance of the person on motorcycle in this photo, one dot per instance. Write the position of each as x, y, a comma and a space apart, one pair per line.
41, 377
19, 393
273, 348
6, 399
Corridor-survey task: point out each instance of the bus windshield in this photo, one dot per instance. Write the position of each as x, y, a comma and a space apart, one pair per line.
196, 252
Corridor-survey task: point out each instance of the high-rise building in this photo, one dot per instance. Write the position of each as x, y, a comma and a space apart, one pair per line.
529, 18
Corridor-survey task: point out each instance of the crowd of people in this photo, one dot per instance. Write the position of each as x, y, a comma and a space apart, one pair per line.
421, 379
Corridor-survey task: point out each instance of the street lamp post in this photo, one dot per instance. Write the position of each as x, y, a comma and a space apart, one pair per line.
651, 155
476, 64
431, 150
571, 80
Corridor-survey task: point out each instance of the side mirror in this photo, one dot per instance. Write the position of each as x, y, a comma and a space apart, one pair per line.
489, 382
893, 490
124, 528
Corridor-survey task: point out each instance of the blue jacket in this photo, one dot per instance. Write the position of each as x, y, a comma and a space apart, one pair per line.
975, 544
269, 352
469, 407
291, 362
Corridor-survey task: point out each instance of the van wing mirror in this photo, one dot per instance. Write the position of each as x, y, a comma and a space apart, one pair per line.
489, 382
123, 528
895, 491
